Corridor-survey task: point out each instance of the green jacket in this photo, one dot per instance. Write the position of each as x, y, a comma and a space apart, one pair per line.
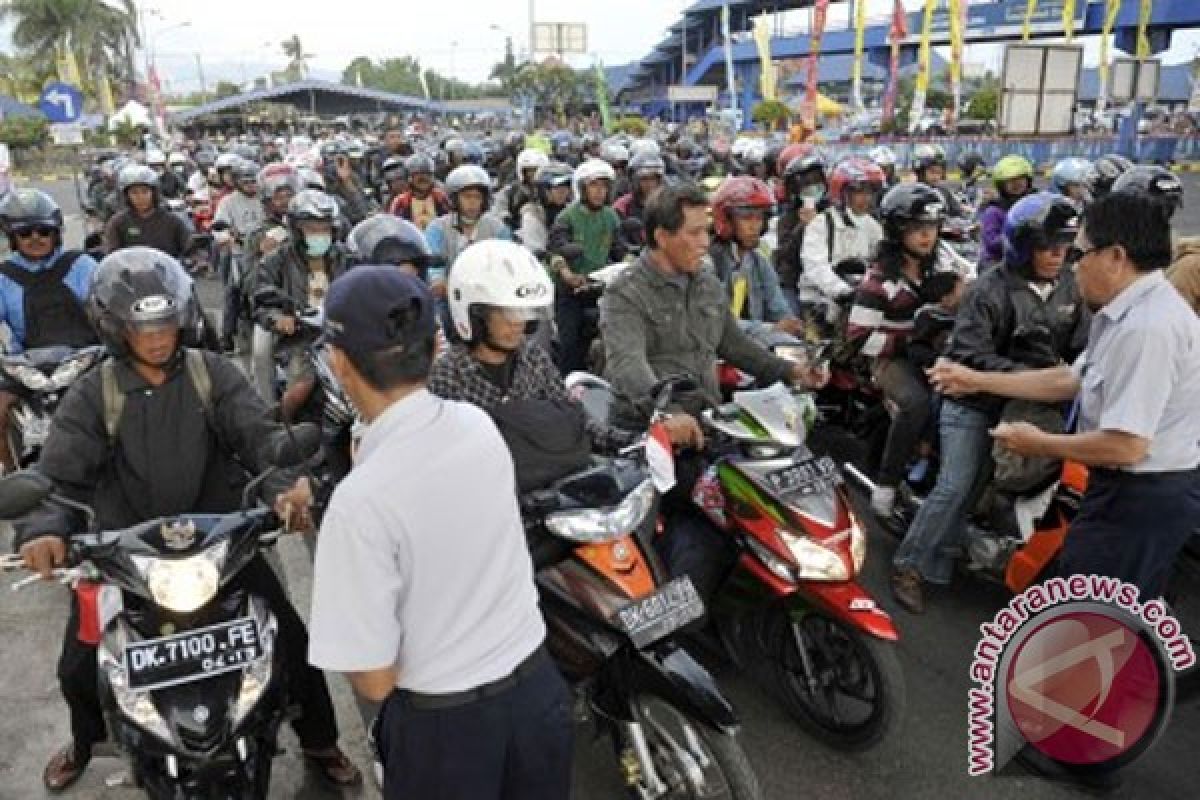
595, 231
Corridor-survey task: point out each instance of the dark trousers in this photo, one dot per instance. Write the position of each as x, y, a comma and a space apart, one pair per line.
902, 384
575, 317
232, 293
516, 745
317, 726
1132, 526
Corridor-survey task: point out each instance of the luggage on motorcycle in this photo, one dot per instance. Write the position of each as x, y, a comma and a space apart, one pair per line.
1023, 474
54, 316
548, 439
114, 398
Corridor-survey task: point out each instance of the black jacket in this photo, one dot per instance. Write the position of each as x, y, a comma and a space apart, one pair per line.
285, 270
170, 457
1004, 326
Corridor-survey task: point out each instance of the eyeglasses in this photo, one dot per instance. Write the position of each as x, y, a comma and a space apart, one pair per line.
45, 231
1077, 254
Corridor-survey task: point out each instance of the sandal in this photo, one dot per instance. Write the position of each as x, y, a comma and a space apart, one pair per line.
334, 767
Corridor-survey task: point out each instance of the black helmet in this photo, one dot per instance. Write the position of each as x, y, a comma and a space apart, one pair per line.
420, 163
26, 208
1104, 172
969, 162
392, 166
140, 286
1157, 183
553, 174
387, 239
907, 203
1036, 222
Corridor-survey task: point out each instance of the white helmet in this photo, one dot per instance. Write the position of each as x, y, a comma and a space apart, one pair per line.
616, 153
531, 159
883, 155
469, 176
593, 169
647, 146
177, 159
226, 161
155, 158
499, 274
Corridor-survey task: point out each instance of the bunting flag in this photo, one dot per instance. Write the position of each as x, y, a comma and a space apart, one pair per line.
68, 67
1143, 41
922, 85
1030, 7
1111, 9
897, 34
766, 73
820, 12
602, 98
424, 83
730, 83
860, 27
958, 20
1068, 19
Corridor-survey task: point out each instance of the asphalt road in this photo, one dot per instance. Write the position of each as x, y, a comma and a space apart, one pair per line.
927, 757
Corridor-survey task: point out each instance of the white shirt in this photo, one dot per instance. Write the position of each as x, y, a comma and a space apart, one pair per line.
421, 560
243, 213
854, 236
1140, 373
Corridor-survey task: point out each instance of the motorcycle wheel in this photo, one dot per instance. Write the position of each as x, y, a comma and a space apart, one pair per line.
860, 693
728, 775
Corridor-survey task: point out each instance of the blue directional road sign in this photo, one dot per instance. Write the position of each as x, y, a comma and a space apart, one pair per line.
61, 102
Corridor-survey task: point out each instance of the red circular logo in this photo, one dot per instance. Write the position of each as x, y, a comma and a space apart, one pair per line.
1085, 688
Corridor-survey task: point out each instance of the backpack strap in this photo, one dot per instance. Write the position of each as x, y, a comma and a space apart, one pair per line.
114, 399
56, 273
197, 369
828, 214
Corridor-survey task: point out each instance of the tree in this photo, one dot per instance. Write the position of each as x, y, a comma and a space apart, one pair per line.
984, 103
552, 86
771, 114
634, 126
226, 89
506, 70
297, 68
21, 77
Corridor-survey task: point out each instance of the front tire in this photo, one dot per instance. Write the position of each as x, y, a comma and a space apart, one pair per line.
859, 693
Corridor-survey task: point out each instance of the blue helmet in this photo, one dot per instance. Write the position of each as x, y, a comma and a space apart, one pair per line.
473, 154
1069, 171
1037, 222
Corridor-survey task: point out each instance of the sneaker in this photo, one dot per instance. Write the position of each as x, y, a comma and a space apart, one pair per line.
906, 588
883, 501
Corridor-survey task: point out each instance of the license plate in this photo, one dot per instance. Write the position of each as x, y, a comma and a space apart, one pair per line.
192, 656
651, 618
807, 477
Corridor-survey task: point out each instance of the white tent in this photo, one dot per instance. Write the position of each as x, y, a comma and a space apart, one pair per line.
132, 112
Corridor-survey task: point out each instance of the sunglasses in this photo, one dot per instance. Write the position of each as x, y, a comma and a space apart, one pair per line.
1076, 254
45, 231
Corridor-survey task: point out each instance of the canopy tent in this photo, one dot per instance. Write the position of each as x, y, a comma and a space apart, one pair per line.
132, 113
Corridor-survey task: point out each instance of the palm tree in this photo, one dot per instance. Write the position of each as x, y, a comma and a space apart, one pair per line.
100, 34
297, 67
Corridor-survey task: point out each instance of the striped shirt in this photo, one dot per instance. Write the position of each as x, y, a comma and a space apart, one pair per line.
881, 319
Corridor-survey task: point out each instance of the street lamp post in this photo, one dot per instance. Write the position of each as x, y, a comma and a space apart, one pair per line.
450, 82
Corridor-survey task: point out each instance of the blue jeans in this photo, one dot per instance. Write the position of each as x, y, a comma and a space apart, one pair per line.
966, 447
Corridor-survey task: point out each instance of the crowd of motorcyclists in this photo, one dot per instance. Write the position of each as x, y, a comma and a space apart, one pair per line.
765, 256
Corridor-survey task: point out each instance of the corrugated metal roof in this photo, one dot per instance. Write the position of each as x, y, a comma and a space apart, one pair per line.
11, 106
301, 89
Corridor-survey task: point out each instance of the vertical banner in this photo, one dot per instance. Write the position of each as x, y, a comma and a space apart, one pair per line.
766, 72
1030, 7
730, 83
958, 16
104, 91
602, 98
1143, 42
1110, 18
1068, 19
897, 34
156, 101
922, 85
820, 12
68, 67
860, 27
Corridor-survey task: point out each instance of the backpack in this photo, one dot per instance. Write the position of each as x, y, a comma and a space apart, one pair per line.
53, 314
548, 439
114, 398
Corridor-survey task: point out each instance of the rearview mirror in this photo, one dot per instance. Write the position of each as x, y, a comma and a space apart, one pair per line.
22, 492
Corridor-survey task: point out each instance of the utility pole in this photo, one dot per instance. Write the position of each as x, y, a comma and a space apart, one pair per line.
200, 73
532, 28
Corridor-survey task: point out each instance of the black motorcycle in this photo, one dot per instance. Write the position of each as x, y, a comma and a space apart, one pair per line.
39, 378
189, 674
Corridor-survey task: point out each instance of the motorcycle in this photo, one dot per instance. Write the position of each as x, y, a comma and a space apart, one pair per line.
39, 378
189, 676
791, 603
613, 619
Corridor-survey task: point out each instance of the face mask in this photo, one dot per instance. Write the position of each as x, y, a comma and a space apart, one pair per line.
813, 192
317, 244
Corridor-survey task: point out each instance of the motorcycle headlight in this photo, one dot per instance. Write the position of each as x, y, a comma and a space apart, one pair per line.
29, 377
813, 561
136, 706
778, 567
185, 584
591, 526
858, 543
69, 370
257, 676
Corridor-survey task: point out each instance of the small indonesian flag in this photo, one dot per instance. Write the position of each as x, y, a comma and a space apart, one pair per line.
98, 604
660, 458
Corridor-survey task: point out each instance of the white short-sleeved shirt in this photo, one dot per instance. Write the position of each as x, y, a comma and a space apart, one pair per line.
1140, 373
421, 560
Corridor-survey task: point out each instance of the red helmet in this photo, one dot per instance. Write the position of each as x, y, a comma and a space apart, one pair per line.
854, 173
739, 193
791, 153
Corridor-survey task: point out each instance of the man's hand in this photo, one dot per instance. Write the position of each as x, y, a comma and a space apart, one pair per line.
285, 326
294, 506
790, 326
953, 379
572, 279
43, 554
812, 377
1021, 438
345, 172
438, 288
684, 431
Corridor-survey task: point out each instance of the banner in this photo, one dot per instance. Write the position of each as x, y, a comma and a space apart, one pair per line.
1143, 41
860, 27
958, 19
729, 79
1030, 7
424, 83
602, 98
922, 85
766, 72
1068, 19
820, 12
104, 91
68, 67
897, 34
1110, 18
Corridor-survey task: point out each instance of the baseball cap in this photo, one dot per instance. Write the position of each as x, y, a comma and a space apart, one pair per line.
372, 308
